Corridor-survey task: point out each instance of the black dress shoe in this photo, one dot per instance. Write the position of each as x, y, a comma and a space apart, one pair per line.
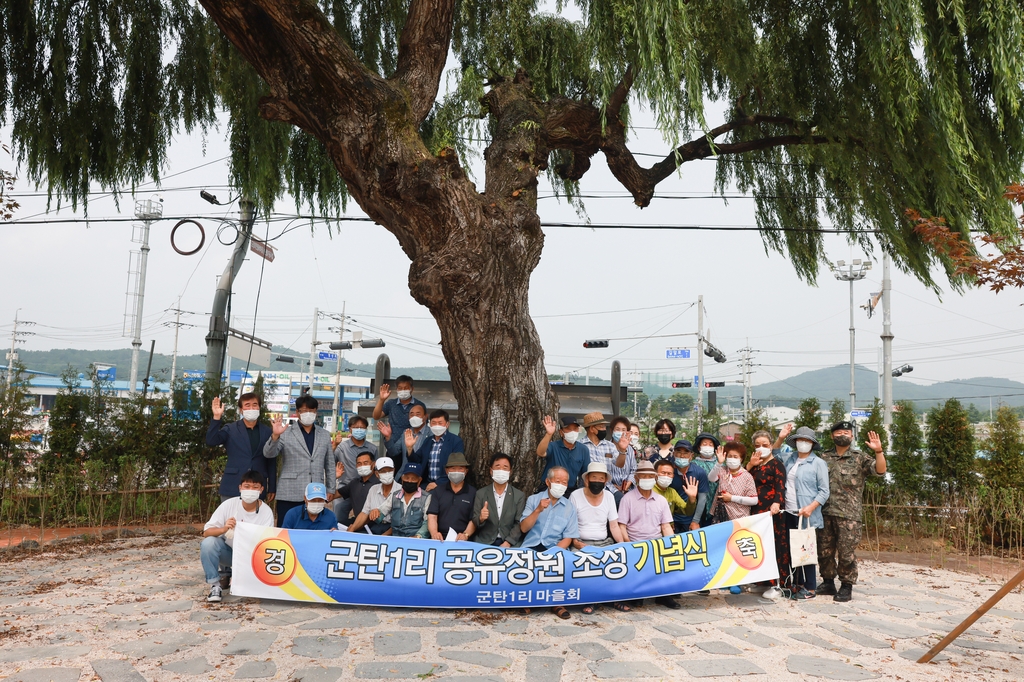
668, 602
827, 588
845, 593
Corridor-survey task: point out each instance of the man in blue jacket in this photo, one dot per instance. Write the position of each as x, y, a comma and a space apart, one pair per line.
244, 441
433, 452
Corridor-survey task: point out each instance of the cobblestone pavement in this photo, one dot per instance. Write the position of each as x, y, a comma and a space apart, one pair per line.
135, 610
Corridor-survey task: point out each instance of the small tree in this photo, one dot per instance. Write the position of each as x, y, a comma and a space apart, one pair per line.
906, 459
950, 449
810, 414
15, 445
874, 423
836, 413
1004, 466
757, 420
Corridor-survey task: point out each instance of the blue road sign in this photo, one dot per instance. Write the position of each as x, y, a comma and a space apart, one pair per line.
193, 375
677, 353
860, 413
696, 379
327, 355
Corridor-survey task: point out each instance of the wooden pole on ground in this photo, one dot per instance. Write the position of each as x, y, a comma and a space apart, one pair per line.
971, 619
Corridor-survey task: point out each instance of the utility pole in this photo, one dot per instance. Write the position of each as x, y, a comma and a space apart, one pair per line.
336, 408
312, 348
700, 363
857, 270
12, 356
147, 211
177, 324
216, 338
886, 342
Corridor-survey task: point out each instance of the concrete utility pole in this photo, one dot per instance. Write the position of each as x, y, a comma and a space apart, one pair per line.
700, 363
147, 211
312, 349
886, 343
856, 271
336, 407
177, 324
216, 338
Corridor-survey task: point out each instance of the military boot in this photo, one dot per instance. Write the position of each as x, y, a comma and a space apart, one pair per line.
827, 588
845, 592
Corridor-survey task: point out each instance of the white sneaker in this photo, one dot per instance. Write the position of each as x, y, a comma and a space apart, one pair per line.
215, 593
772, 593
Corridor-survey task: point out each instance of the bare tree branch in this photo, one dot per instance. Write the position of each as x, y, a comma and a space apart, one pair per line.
423, 50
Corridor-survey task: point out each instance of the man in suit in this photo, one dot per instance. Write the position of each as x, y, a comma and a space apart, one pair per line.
433, 452
244, 441
399, 448
305, 451
497, 508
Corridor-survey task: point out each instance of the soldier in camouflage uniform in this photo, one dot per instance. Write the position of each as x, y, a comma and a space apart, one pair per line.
848, 468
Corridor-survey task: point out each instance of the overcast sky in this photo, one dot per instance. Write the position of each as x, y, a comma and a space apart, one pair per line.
71, 280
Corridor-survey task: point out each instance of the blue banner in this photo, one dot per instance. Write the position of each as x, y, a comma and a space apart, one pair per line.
351, 568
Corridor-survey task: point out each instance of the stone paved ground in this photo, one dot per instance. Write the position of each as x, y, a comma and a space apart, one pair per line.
134, 610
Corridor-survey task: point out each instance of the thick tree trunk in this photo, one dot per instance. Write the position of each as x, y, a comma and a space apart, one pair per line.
472, 253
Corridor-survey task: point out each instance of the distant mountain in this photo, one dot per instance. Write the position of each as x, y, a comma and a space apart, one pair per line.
56, 360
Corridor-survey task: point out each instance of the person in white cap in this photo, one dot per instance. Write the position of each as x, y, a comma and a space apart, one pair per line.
597, 517
376, 511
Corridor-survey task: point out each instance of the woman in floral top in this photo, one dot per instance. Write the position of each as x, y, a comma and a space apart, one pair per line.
770, 479
736, 488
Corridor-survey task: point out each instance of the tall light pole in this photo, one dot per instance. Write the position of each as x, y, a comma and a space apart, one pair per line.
147, 211
857, 270
886, 343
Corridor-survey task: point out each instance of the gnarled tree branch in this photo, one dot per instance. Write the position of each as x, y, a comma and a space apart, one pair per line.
422, 51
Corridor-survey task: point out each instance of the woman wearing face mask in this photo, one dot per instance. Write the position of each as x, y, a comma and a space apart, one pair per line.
622, 466
705, 447
736, 488
304, 456
806, 490
770, 479
665, 432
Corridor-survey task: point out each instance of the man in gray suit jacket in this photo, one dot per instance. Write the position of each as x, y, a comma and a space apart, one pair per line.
498, 508
305, 449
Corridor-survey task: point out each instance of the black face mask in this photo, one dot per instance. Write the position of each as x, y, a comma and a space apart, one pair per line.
842, 441
664, 438
595, 487
602, 434
410, 486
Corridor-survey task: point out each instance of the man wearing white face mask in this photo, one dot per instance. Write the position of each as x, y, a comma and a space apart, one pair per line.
396, 410
243, 440
355, 491
565, 452
644, 515
451, 504
376, 508
346, 455
313, 515
550, 521
434, 452
215, 552
304, 450
498, 508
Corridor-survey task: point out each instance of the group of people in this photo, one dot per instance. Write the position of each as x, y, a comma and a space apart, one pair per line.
599, 486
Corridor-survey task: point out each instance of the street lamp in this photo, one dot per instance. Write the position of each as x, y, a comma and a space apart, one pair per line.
851, 273
900, 371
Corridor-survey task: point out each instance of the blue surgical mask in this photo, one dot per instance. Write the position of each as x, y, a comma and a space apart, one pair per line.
616, 435
359, 434
682, 462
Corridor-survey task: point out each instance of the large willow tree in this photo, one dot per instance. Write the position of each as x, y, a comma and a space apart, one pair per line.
837, 111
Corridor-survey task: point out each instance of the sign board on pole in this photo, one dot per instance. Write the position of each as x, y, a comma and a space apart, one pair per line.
327, 355
677, 353
696, 380
247, 351
262, 249
855, 414
106, 372
193, 375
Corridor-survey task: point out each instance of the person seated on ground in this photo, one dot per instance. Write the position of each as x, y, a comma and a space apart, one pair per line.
663, 486
498, 507
219, 531
563, 451
313, 515
354, 492
646, 516
409, 505
376, 508
346, 453
549, 520
435, 450
451, 503
596, 516
685, 469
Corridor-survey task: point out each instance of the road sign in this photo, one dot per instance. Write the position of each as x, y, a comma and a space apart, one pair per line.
327, 355
262, 249
696, 379
193, 375
677, 353
860, 413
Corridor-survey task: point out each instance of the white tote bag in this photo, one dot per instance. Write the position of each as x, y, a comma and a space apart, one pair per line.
803, 544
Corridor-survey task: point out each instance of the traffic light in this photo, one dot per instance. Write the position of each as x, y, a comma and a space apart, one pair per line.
713, 384
364, 343
596, 343
714, 353
682, 384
